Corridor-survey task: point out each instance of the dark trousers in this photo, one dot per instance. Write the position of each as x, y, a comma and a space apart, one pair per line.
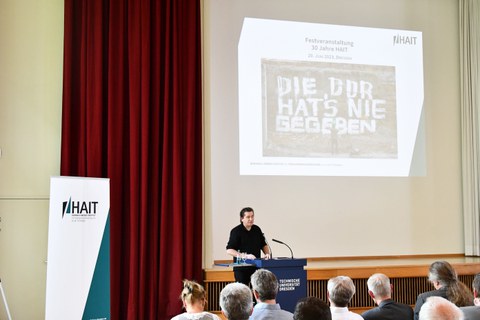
243, 274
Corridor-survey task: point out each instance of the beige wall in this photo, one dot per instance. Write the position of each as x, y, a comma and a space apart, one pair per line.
337, 216
412, 215
31, 35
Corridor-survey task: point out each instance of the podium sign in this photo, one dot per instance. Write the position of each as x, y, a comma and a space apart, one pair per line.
292, 279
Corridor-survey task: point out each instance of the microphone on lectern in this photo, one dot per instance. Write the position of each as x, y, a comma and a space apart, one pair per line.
278, 241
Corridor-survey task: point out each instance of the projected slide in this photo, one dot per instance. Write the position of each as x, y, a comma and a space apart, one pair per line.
328, 100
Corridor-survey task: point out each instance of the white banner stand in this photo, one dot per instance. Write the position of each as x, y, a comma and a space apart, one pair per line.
78, 267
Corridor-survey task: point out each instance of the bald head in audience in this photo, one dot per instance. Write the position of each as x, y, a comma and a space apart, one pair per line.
438, 308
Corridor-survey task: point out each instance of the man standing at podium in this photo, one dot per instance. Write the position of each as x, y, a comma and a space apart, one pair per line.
246, 238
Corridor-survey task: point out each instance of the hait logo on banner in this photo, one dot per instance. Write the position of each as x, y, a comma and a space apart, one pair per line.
79, 210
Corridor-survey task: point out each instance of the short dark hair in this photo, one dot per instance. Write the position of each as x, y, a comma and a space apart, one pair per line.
246, 209
312, 308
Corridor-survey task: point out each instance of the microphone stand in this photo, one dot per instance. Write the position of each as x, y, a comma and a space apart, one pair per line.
278, 241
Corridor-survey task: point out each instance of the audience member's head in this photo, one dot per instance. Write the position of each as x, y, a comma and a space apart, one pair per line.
236, 301
379, 287
312, 308
264, 284
476, 285
442, 274
476, 290
340, 291
192, 295
438, 308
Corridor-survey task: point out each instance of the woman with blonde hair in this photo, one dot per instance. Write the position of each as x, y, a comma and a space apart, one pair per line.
445, 281
194, 300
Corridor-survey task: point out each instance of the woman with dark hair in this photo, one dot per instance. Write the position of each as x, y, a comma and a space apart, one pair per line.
445, 281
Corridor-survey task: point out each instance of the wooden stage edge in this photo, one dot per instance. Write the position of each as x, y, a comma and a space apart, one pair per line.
324, 268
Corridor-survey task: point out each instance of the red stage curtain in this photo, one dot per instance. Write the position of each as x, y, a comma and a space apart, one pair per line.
132, 112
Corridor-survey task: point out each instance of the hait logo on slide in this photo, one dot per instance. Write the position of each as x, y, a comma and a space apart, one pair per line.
404, 40
79, 210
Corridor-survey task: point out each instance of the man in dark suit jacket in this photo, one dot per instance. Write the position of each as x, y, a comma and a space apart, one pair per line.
380, 289
472, 313
422, 298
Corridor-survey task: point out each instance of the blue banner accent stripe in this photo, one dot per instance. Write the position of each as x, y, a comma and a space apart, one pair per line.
98, 301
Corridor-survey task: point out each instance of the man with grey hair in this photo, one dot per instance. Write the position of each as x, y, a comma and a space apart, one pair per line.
473, 312
340, 291
380, 290
438, 308
236, 301
265, 289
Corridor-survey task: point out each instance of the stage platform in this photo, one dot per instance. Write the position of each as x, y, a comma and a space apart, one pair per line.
408, 275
